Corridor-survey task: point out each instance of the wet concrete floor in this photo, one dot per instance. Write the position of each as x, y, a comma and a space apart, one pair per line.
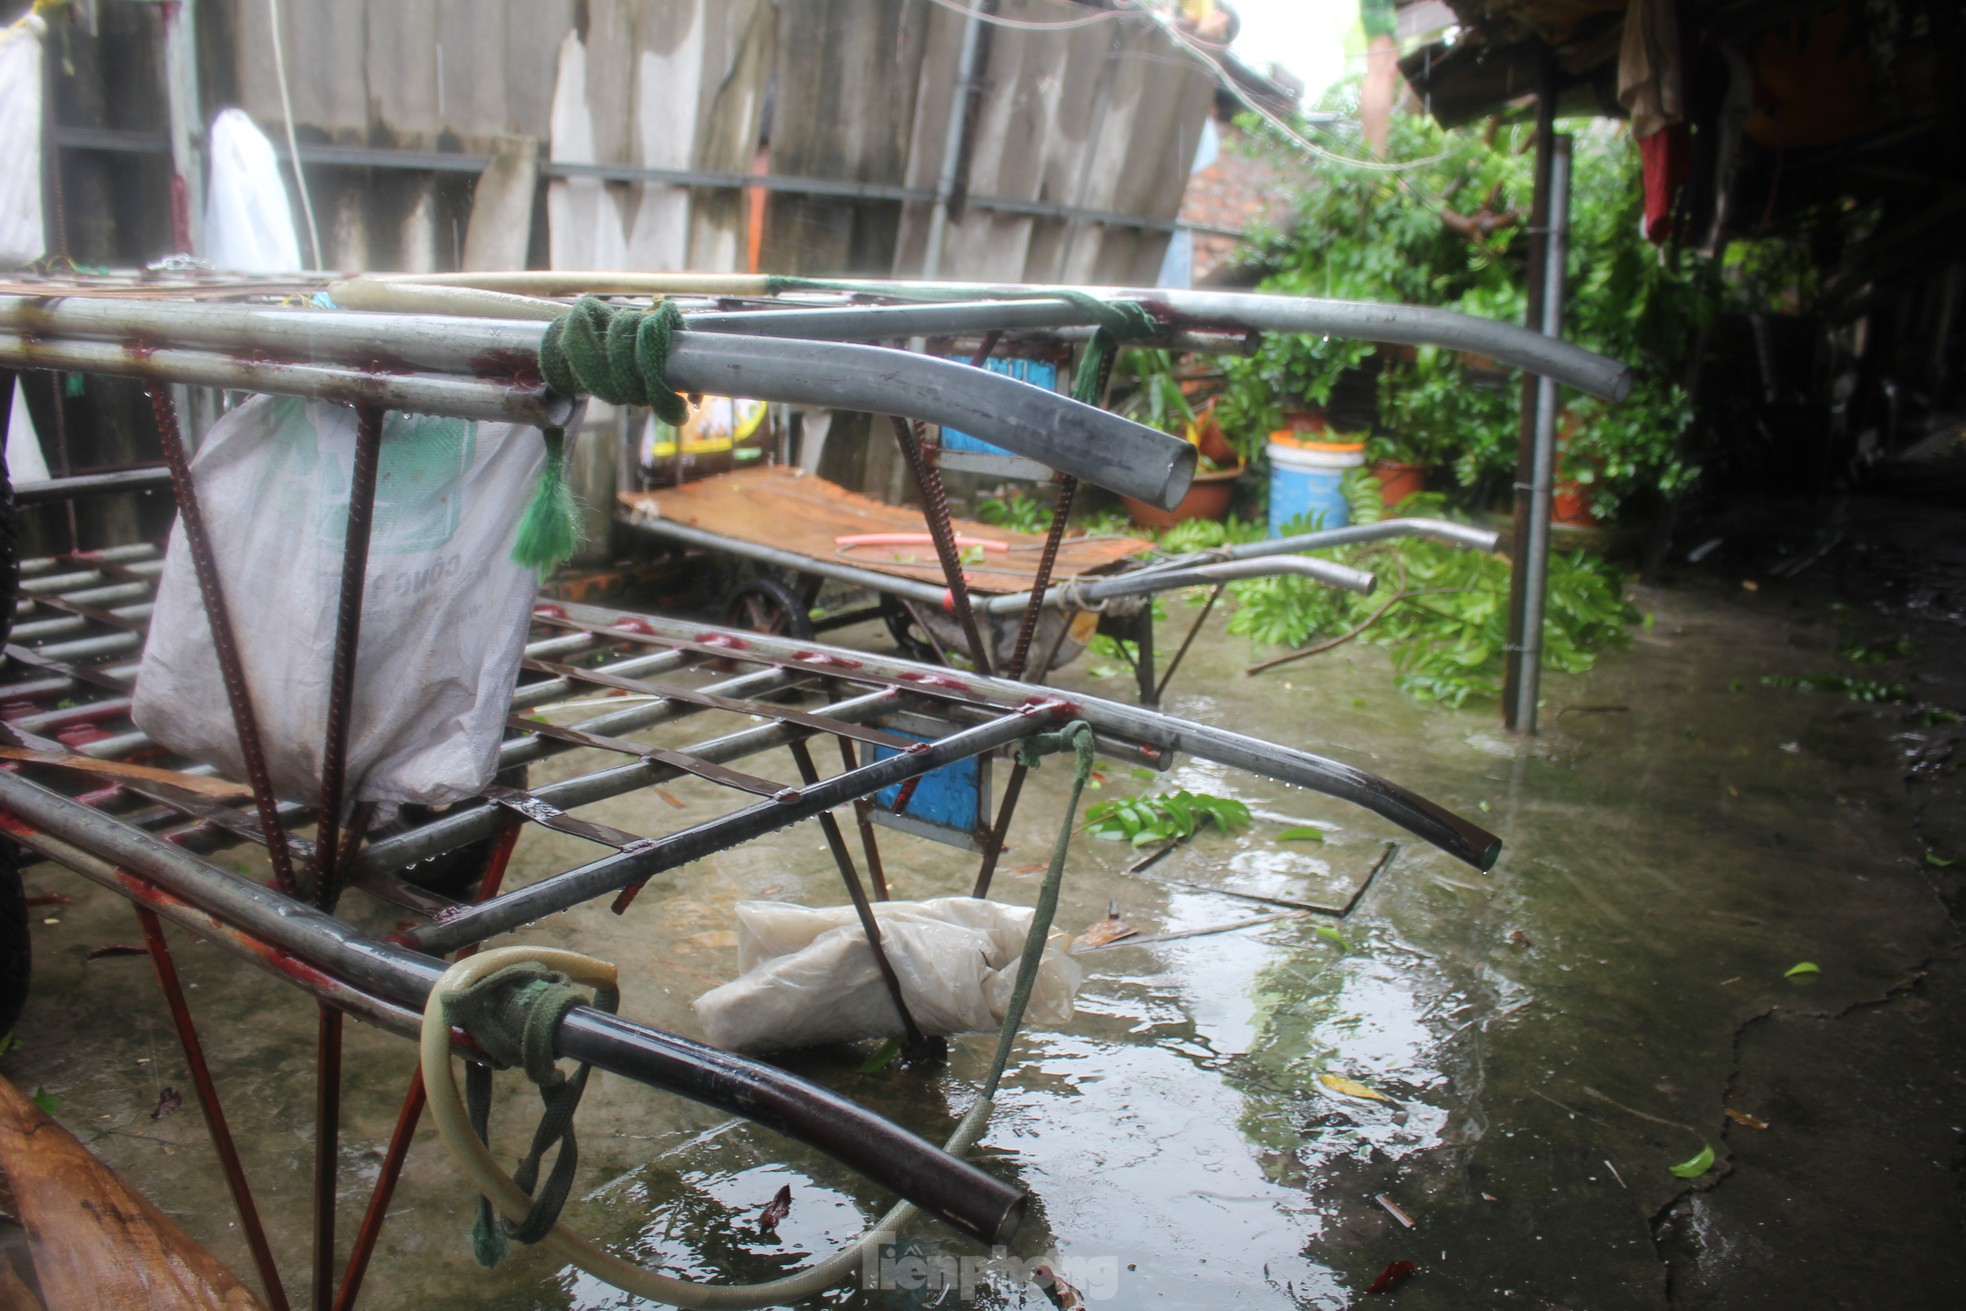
1553, 1035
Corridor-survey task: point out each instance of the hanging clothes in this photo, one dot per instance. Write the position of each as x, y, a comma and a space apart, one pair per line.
1652, 88
249, 226
1667, 157
22, 235
1651, 67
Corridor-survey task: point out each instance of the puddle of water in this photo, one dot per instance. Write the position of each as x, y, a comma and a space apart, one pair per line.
1572, 1007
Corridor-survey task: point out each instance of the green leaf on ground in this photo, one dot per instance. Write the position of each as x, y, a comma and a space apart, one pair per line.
47, 1101
1309, 833
1335, 938
1801, 968
884, 1053
1697, 1166
1936, 861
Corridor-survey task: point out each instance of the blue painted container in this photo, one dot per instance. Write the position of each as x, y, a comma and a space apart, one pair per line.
1039, 373
1305, 482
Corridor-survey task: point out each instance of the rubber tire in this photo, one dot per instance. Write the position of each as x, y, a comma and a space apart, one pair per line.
765, 605
907, 634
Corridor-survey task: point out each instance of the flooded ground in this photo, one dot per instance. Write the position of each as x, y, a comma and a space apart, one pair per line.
1550, 1036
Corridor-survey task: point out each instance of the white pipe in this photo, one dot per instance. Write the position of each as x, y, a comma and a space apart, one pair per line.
952, 141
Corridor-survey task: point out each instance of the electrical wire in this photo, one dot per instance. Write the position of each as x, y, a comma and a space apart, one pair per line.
1029, 25
293, 144
1202, 51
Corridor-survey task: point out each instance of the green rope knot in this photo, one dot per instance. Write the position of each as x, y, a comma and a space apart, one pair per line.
619, 355
1075, 737
513, 1015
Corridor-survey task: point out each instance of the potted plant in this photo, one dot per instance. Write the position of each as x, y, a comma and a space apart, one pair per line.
1160, 398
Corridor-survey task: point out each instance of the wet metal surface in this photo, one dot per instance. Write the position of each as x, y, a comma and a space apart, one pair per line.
1553, 1034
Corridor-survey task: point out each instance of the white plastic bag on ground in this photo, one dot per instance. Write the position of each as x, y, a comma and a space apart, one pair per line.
444, 618
21, 235
249, 226
810, 978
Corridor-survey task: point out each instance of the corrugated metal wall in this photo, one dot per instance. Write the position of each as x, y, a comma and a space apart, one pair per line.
1103, 117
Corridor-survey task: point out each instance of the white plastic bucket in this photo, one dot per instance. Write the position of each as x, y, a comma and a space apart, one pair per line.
1306, 481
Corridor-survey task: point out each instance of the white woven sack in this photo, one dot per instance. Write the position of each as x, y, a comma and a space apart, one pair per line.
444, 618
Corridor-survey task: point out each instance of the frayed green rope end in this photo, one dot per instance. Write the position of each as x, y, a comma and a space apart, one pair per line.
550, 530
487, 1243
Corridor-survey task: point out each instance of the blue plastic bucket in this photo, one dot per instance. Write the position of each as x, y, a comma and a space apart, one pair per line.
1306, 481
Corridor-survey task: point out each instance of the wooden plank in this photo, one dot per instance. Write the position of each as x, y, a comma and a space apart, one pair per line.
95, 1242
794, 511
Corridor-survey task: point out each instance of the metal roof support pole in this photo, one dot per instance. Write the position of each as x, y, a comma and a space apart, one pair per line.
1547, 87
181, 92
1529, 581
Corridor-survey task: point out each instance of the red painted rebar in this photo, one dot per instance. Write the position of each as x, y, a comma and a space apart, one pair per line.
398, 1151
836, 843
231, 670
863, 814
935, 509
347, 638
208, 1102
327, 1147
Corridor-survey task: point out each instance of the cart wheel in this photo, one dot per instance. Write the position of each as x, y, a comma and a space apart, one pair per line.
16, 950
907, 632
765, 605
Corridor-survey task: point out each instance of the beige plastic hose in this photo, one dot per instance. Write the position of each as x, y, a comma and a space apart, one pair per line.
485, 1173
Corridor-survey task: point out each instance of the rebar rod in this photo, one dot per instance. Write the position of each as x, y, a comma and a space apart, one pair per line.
216, 1126
611, 873
422, 393
941, 531
914, 1039
499, 380
390, 985
1119, 726
1410, 325
238, 693
327, 1149
347, 642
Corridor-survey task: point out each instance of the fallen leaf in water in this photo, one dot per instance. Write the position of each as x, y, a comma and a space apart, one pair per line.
1038, 868
1110, 929
1742, 1117
1062, 1295
113, 949
168, 1102
1301, 833
1519, 940
50, 899
1697, 1166
775, 1210
1351, 1088
1800, 968
1390, 1277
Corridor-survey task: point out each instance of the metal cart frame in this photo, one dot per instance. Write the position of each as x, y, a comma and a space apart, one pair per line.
69, 794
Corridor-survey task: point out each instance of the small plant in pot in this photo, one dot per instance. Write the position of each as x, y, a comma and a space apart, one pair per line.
1160, 398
